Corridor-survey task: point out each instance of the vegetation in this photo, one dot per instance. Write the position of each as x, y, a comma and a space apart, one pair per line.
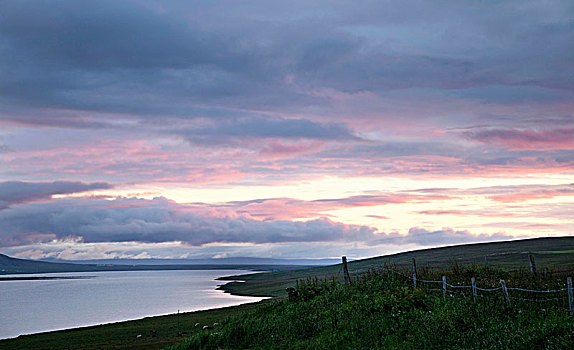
555, 253
383, 310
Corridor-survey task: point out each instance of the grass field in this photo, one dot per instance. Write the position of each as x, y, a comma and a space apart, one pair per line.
551, 253
382, 310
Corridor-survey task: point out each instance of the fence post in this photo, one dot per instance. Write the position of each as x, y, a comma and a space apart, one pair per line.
414, 272
473, 282
570, 294
505, 291
532, 263
178, 332
346, 271
444, 286
485, 262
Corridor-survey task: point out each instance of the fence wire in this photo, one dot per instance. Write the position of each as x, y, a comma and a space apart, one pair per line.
526, 290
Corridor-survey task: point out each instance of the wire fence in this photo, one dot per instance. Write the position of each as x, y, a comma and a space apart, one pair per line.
518, 294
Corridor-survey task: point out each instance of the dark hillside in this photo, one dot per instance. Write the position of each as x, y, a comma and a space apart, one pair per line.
10, 265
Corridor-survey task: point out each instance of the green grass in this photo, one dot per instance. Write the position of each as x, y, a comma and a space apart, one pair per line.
382, 310
559, 252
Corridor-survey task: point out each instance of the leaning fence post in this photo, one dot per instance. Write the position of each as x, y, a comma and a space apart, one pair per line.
346, 271
570, 294
473, 282
505, 291
532, 263
414, 272
444, 286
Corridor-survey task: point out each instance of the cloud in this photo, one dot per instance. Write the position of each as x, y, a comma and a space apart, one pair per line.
17, 192
253, 129
562, 138
158, 220
380, 217
479, 213
503, 194
423, 237
291, 208
521, 194
144, 60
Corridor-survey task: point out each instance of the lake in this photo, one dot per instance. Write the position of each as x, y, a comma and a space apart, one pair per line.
44, 305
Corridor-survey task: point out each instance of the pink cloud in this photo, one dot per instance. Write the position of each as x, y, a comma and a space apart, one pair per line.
378, 217
464, 213
527, 139
531, 193
289, 208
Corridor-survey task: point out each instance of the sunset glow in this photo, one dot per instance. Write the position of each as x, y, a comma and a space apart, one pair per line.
145, 129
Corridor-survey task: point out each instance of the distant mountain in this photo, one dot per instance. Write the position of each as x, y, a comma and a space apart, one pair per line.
9, 265
219, 261
14, 265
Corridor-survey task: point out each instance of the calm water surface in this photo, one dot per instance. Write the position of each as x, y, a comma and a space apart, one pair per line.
45, 305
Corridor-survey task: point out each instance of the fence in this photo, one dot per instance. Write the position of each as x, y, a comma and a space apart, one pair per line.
502, 288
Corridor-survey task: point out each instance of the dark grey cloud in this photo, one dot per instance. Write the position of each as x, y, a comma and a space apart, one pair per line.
423, 237
153, 60
17, 192
229, 132
158, 220
4, 148
107, 35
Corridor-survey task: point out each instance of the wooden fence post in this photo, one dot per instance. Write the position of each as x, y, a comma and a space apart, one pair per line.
414, 272
444, 286
473, 282
505, 291
570, 294
532, 263
346, 271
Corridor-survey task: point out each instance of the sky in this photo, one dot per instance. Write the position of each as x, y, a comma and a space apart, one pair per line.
284, 129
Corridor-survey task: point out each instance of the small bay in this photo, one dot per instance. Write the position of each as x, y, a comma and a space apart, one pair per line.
83, 299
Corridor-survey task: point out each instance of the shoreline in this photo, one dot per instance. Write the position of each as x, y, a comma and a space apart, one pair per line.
133, 322
118, 323
152, 332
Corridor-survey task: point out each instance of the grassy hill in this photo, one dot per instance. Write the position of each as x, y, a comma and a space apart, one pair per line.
554, 253
382, 310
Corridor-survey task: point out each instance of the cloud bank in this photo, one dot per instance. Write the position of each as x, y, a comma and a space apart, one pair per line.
155, 221
17, 192
446, 236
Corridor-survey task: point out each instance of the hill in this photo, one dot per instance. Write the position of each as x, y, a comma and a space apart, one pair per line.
552, 253
382, 310
9, 265
211, 261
